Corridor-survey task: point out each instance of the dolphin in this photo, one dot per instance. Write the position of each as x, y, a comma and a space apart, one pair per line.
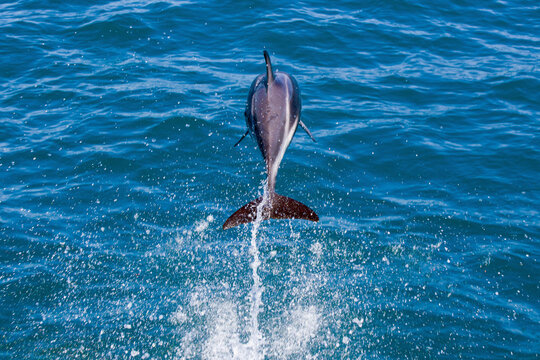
272, 117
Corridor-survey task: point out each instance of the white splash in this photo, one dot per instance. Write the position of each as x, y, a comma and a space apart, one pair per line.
256, 340
299, 328
223, 325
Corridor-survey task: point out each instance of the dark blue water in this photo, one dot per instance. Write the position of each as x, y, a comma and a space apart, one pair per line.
117, 171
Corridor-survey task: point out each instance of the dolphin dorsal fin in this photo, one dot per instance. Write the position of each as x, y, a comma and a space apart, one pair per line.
269, 72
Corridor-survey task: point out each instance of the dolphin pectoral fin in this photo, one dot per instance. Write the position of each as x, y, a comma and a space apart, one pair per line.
242, 138
281, 207
307, 130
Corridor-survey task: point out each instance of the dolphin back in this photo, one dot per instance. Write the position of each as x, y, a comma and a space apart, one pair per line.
278, 207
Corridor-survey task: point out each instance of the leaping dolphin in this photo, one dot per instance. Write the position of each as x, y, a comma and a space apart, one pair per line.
272, 117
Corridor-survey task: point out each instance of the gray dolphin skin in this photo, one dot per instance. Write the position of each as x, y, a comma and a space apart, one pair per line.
272, 117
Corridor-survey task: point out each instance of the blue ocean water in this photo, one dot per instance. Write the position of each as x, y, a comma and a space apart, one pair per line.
117, 171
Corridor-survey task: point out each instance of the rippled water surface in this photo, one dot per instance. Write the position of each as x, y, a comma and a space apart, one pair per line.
117, 171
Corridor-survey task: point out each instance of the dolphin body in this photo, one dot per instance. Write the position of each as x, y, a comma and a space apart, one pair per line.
272, 117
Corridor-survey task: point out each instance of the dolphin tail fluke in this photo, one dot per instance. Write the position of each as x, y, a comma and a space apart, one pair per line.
287, 208
278, 207
244, 215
